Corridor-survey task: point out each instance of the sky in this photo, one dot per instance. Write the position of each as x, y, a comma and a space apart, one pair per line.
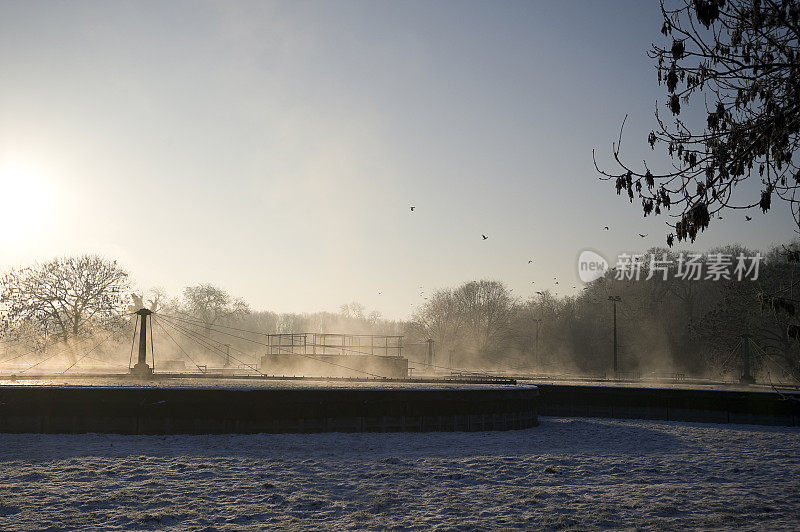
275, 148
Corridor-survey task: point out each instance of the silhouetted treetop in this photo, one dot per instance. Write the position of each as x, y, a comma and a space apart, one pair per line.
742, 58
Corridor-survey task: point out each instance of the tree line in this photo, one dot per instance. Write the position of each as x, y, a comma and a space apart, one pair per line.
70, 299
666, 324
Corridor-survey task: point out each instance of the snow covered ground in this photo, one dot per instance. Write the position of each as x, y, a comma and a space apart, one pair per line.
566, 473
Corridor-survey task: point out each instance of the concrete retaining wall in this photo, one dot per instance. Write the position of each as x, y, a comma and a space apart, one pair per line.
334, 366
65, 409
707, 406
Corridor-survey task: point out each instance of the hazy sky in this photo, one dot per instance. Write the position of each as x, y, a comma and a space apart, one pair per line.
274, 149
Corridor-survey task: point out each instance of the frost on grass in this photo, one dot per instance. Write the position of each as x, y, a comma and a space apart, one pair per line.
575, 473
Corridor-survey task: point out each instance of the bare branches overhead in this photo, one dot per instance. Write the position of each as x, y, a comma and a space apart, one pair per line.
742, 59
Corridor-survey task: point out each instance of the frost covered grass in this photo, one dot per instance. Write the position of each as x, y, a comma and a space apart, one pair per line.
566, 473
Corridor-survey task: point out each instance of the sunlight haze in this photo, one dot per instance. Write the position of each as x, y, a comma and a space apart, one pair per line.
275, 149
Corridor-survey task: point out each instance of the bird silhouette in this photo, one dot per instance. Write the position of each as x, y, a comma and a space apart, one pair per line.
747, 218
556, 282
484, 236
530, 262
540, 293
606, 228
412, 208
641, 235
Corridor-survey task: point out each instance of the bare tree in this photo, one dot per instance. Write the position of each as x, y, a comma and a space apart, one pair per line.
486, 308
743, 57
779, 325
353, 310
438, 319
210, 304
473, 321
66, 297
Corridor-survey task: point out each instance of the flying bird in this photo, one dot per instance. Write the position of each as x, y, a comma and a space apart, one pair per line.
606, 228
556, 282
484, 236
540, 293
412, 208
530, 262
747, 218
641, 235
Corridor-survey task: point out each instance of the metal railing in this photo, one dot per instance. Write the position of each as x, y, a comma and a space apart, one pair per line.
334, 344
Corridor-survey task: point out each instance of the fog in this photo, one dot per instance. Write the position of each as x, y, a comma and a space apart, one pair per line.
666, 329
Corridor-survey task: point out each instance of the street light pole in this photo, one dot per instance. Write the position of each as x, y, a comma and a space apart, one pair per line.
536, 358
747, 377
615, 300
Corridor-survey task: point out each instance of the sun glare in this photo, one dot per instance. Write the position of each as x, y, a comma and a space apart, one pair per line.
25, 203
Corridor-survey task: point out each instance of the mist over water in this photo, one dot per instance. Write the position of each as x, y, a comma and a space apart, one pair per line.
666, 329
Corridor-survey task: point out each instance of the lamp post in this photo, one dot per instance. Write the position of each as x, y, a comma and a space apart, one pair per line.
536, 357
747, 377
615, 300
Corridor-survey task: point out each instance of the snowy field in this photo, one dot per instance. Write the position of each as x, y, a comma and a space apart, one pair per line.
566, 473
